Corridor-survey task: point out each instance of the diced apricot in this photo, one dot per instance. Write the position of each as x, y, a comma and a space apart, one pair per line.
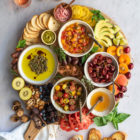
116, 89
120, 50
124, 58
112, 50
123, 68
122, 80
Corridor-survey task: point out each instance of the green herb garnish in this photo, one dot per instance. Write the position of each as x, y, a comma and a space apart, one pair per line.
60, 53
58, 76
97, 15
88, 83
84, 58
13, 72
113, 117
21, 44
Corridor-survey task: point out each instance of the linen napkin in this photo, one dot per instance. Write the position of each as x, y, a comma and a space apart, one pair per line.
46, 133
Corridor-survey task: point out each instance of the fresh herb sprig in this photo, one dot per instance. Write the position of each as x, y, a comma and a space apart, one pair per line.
84, 58
60, 53
13, 72
113, 117
21, 44
58, 76
88, 83
97, 15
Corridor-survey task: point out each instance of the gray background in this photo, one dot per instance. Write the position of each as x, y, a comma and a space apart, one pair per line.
126, 13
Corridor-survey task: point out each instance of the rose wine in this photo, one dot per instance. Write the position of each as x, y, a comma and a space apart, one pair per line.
23, 3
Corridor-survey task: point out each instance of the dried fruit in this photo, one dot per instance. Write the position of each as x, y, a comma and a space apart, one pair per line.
24, 118
120, 51
121, 80
124, 58
16, 105
123, 68
18, 83
116, 89
112, 50
20, 112
14, 118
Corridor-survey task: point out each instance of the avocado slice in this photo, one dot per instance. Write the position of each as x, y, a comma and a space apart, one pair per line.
116, 41
119, 35
123, 41
116, 29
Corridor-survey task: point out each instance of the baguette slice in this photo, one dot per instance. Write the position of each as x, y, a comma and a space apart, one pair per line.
53, 25
30, 35
34, 22
45, 19
33, 40
94, 134
119, 136
109, 138
41, 20
77, 137
38, 24
32, 28
29, 30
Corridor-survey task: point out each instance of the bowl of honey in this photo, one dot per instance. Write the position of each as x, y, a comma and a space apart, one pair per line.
104, 107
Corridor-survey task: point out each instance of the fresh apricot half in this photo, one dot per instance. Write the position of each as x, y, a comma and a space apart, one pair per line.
123, 68
112, 50
122, 80
116, 89
120, 50
124, 58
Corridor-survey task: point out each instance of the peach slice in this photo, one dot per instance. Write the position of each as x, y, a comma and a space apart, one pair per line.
124, 58
123, 68
112, 50
116, 89
120, 50
122, 80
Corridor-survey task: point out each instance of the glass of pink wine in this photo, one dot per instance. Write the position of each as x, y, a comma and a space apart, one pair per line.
22, 3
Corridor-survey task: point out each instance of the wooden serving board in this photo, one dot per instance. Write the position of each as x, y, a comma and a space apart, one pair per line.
32, 131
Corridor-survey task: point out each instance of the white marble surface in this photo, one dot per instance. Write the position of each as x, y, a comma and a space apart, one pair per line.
126, 13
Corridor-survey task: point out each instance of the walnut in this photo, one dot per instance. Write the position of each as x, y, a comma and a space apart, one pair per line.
30, 103
24, 118
41, 107
41, 103
36, 95
16, 105
36, 105
14, 118
20, 112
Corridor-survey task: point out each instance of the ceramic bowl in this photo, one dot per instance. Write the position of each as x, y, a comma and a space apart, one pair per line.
115, 62
111, 106
34, 82
57, 107
88, 27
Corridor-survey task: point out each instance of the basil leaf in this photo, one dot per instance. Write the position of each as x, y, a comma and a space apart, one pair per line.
100, 121
115, 124
84, 58
21, 44
94, 49
109, 117
121, 117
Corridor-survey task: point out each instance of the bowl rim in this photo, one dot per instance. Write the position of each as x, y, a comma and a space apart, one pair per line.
47, 80
64, 27
62, 80
86, 69
111, 96
44, 33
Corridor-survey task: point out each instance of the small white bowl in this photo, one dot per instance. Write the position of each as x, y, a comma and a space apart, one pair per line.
68, 24
57, 107
111, 97
44, 41
20, 70
115, 62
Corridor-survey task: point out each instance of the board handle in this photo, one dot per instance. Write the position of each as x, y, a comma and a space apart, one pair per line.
31, 132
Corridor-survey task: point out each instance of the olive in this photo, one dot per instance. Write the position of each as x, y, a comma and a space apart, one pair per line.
69, 59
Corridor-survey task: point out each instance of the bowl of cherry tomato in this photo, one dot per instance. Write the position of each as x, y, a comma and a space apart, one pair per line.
101, 69
73, 38
66, 94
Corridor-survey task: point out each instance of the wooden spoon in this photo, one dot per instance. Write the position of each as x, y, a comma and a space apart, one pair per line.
69, 4
100, 99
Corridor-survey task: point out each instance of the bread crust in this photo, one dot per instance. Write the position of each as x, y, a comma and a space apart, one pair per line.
94, 133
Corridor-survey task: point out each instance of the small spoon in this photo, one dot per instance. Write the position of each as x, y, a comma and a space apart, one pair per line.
100, 99
80, 108
113, 83
65, 7
91, 36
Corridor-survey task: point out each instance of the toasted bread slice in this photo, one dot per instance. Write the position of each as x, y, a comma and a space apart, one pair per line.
27, 34
45, 19
34, 22
77, 137
53, 25
41, 20
29, 30
38, 23
119, 136
32, 28
94, 134
33, 40
109, 138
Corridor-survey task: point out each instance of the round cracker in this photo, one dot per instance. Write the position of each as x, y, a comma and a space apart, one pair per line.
32, 28
30, 35
35, 40
46, 19
29, 30
41, 20
34, 22
38, 23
